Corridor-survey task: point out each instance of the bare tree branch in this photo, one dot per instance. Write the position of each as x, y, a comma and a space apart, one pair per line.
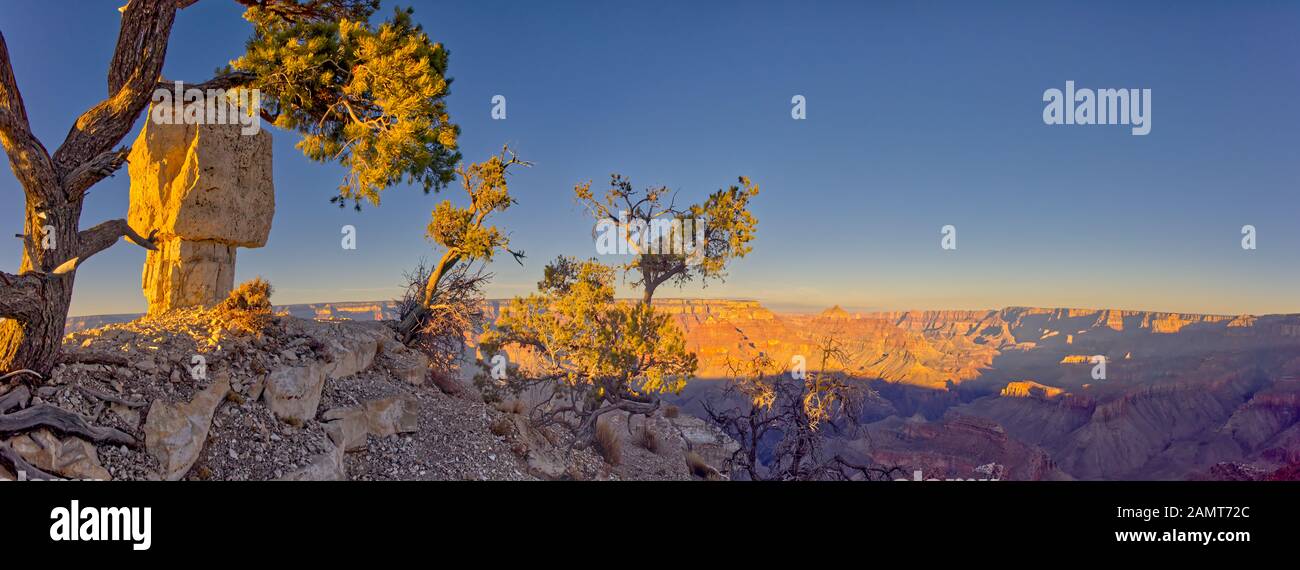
11, 459
27, 156
63, 422
98, 168
132, 75
102, 237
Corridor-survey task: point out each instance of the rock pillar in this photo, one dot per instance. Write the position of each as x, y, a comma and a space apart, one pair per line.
207, 190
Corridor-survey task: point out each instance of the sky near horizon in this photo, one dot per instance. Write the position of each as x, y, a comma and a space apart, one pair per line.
919, 115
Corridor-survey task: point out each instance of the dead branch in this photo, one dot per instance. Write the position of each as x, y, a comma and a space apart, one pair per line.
17, 373
93, 393
93, 358
30, 161
98, 168
63, 422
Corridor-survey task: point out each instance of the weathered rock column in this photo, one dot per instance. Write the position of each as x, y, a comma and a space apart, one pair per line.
207, 189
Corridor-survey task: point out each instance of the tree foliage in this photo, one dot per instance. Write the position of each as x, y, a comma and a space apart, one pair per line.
372, 98
724, 227
592, 353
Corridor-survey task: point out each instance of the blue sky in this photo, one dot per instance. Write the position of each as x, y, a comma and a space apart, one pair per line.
918, 115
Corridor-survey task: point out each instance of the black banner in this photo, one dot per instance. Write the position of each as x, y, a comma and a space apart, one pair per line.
328, 519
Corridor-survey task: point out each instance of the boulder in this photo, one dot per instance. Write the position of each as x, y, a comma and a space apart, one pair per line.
544, 461
349, 347
348, 427
705, 439
206, 189
411, 366
327, 466
175, 433
293, 392
70, 457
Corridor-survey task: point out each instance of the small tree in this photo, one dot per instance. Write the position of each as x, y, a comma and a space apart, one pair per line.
371, 98
723, 225
447, 295
782, 418
596, 355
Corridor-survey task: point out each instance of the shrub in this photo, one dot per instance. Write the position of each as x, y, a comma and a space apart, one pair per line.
648, 440
701, 468
246, 309
501, 426
608, 443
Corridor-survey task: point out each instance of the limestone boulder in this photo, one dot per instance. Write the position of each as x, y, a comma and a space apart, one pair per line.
293, 392
70, 457
348, 427
410, 366
327, 466
175, 433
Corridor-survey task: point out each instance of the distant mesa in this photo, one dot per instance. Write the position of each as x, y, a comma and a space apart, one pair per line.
1030, 389
835, 313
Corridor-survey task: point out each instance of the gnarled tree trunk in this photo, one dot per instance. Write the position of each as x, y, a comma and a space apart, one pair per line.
34, 302
32, 340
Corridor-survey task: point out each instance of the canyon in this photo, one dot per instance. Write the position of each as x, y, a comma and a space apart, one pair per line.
1012, 391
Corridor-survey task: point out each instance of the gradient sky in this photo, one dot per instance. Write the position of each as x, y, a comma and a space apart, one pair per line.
919, 115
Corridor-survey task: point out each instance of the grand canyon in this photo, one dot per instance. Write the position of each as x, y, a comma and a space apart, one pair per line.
1185, 396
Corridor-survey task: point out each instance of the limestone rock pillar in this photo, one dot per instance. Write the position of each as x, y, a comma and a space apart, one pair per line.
207, 189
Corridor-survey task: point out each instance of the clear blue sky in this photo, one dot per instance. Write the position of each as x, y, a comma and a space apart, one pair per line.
919, 115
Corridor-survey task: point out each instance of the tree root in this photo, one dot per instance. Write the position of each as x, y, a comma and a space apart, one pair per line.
63, 422
21, 372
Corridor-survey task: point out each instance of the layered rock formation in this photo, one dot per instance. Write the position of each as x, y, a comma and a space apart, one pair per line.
1181, 392
1184, 395
207, 190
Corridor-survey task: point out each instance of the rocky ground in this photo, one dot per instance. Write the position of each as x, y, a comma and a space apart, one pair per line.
315, 400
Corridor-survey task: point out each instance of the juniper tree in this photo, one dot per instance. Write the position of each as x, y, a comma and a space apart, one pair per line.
594, 354
722, 228
466, 239
368, 96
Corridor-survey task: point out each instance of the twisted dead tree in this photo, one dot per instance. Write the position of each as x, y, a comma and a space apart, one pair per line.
783, 421
371, 98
